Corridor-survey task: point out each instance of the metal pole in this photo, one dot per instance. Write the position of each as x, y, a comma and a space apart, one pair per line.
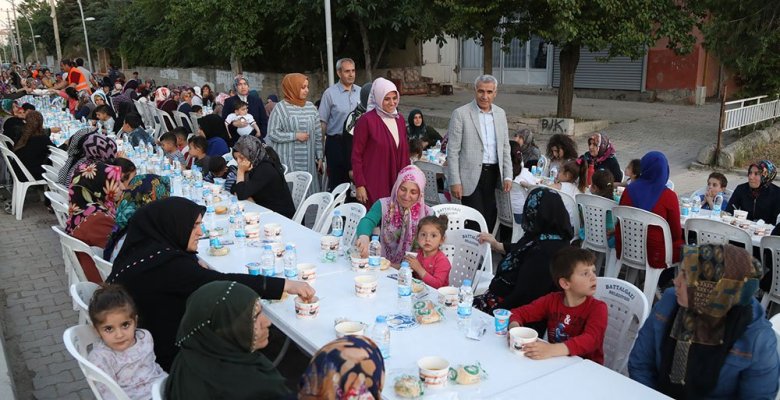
86, 37
56, 30
18, 37
329, 43
14, 50
720, 127
32, 33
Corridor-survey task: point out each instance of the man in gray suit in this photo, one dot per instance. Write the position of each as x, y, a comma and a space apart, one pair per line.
478, 156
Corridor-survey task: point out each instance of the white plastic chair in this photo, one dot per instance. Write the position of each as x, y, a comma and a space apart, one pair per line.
633, 235
340, 194
505, 214
104, 267
158, 389
467, 257
70, 247
670, 185
57, 162
54, 186
517, 229
51, 169
285, 169
627, 311
702, 191
771, 244
352, 213
167, 120
594, 214
6, 141
20, 188
194, 121
322, 201
430, 170
182, 120
458, 214
79, 341
300, 180
58, 151
58, 158
60, 207
710, 231
571, 206
81, 293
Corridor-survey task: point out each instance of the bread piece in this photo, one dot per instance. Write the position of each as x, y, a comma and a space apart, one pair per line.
221, 210
219, 251
468, 374
408, 387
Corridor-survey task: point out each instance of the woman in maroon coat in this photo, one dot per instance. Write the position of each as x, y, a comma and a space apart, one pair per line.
379, 148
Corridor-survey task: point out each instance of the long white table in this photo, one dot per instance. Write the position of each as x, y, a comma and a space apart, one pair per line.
705, 214
335, 288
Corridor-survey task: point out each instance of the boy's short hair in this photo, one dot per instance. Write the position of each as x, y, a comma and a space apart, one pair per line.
565, 261
102, 109
720, 177
179, 132
415, 146
168, 137
217, 164
238, 104
133, 119
196, 108
28, 107
199, 142
636, 166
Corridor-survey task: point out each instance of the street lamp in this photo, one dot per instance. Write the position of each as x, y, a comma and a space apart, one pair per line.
86, 37
33, 35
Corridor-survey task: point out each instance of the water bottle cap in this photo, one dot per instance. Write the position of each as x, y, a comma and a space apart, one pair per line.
289, 246
380, 319
467, 282
404, 264
210, 209
374, 237
267, 247
337, 213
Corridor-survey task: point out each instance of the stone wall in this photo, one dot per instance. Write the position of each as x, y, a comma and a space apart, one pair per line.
742, 149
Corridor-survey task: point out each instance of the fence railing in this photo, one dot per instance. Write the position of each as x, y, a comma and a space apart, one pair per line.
737, 114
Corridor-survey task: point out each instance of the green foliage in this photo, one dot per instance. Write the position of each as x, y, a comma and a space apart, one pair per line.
745, 35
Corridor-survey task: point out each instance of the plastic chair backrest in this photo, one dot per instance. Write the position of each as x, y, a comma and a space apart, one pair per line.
194, 120
340, 194
770, 247
300, 180
505, 212
9, 155
71, 246
81, 293
670, 185
710, 231
352, 213
6, 141
51, 169
60, 206
571, 206
702, 191
633, 235
79, 341
466, 255
430, 170
517, 229
104, 267
54, 186
182, 120
458, 214
627, 310
158, 389
284, 169
322, 201
58, 151
594, 214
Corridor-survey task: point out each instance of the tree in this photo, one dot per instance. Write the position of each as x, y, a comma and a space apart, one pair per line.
623, 27
745, 35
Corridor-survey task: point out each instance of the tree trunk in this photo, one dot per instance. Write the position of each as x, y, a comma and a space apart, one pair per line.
366, 49
235, 64
381, 51
570, 57
487, 53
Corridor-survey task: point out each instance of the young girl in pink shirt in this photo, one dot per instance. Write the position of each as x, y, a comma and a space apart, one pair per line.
431, 265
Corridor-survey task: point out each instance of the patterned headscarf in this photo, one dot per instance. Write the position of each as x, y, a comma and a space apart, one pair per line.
767, 171
252, 148
96, 148
75, 153
96, 188
161, 94
718, 278
379, 89
291, 87
237, 79
399, 225
350, 368
606, 150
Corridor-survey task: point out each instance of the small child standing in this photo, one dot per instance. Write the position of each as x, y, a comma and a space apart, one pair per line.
576, 322
168, 143
431, 265
125, 353
716, 185
242, 114
523, 177
218, 168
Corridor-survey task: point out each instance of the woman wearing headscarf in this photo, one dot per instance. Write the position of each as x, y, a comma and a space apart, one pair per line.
75, 152
94, 194
84, 107
96, 148
219, 337
216, 134
32, 148
254, 103
524, 274
417, 129
207, 96
260, 177
295, 131
758, 196
708, 336
380, 147
158, 266
396, 216
160, 96
140, 191
348, 368
649, 192
531, 152
99, 98
601, 155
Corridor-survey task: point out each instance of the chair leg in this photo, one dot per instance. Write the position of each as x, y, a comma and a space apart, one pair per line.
282, 352
613, 269
651, 283
19, 206
765, 301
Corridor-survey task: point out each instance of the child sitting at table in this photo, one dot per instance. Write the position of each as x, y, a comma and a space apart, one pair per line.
716, 185
415, 150
632, 172
430, 264
198, 145
576, 322
572, 178
523, 177
218, 168
181, 140
171, 150
124, 352
134, 132
105, 124
603, 184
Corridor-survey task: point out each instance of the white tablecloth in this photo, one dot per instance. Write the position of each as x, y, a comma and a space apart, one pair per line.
705, 214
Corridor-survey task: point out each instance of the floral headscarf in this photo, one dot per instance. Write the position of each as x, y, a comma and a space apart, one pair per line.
161, 94
239, 78
96, 187
96, 148
142, 190
768, 172
606, 150
75, 153
399, 226
350, 368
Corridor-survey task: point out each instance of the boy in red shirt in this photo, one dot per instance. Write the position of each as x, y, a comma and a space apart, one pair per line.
576, 322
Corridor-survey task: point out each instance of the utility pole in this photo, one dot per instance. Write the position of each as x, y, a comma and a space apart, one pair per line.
11, 41
18, 38
56, 30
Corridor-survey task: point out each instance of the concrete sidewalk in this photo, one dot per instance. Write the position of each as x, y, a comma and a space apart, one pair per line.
679, 131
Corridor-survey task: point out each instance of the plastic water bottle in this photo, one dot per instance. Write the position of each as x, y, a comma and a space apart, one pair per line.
337, 226
239, 229
717, 205
176, 187
404, 288
696, 205
233, 207
209, 218
197, 192
465, 301
290, 261
553, 174
374, 253
381, 335
268, 261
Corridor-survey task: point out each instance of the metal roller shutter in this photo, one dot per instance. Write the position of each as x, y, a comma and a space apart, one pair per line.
620, 73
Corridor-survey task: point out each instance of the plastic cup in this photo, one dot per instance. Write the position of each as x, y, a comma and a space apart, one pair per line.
501, 319
253, 268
